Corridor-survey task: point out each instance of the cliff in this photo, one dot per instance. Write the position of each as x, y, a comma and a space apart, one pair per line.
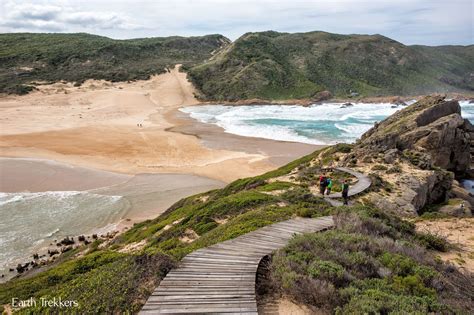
419, 150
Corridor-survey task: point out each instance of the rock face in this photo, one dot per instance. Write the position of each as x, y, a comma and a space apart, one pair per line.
415, 192
432, 140
430, 132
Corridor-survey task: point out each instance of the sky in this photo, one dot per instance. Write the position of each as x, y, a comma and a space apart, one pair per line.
427, 22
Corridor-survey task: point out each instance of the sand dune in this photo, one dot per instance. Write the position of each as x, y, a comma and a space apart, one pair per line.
95, 125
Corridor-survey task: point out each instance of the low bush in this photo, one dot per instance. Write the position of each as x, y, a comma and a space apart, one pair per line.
379, 167
371, 263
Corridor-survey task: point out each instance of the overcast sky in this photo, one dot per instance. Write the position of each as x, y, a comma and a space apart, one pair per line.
429, 22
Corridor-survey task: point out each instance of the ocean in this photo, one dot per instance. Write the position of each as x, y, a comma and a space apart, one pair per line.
36, 209
328, 123
31, 221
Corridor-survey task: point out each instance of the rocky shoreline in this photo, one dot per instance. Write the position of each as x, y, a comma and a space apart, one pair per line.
328, 97
55, 250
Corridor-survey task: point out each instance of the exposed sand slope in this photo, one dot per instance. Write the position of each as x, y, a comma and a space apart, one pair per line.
460, 233
95, 125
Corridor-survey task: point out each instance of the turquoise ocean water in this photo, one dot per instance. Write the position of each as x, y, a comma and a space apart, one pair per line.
317, 124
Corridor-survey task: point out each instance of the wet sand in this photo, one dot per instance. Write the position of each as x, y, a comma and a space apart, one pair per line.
212, 136
36, 175
148, 195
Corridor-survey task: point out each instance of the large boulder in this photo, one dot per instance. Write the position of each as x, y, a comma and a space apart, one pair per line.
432, 140
432, 127
415, 192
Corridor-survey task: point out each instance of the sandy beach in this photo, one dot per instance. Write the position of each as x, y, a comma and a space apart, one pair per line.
91, 132
103, 156
95, 126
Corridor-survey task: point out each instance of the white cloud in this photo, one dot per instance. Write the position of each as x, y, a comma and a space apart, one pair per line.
45, 17
409, 21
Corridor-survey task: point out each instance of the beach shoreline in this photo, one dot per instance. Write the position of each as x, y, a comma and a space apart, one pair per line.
126, 140
128, 128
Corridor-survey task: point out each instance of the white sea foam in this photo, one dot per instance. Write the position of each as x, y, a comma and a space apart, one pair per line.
32, 220
293, 123
317, 124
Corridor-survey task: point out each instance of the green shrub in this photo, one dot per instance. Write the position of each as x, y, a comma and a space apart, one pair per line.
276, 186
79, 57
394, 169
326, 270
379, 167
369, 264
133, 278
432, 241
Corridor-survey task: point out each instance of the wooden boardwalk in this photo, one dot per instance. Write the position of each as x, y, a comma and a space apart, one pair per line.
363, 183
220, 279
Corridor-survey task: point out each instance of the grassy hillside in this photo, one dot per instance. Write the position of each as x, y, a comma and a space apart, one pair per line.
371, 255
25, 58
273, 65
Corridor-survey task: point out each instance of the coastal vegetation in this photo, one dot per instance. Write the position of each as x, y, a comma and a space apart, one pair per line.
372, 263
272, 66
28, 59
263, 65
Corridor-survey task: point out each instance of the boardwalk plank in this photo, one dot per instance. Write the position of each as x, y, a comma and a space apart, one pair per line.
220, 279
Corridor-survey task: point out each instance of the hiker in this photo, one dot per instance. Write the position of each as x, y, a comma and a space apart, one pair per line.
345, 192
328, 185
322, 184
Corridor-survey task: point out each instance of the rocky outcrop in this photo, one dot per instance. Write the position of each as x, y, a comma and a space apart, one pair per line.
431, 132
321, 96
415, 192
432, 140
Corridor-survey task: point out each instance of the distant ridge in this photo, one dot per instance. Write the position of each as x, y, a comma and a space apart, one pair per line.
30, 57
271, 65
264, 65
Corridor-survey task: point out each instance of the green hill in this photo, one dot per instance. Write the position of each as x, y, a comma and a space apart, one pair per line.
273, 65
25, 57
267, 65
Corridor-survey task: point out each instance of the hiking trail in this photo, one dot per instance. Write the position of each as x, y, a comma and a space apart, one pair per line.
220, 279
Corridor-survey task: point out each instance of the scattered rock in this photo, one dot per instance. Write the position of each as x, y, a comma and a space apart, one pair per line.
67, 241
321, 96
94, 236
21, 268
390, 156
345, 105
35, 256
52, 252
457, 208
457, 191
81, 238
